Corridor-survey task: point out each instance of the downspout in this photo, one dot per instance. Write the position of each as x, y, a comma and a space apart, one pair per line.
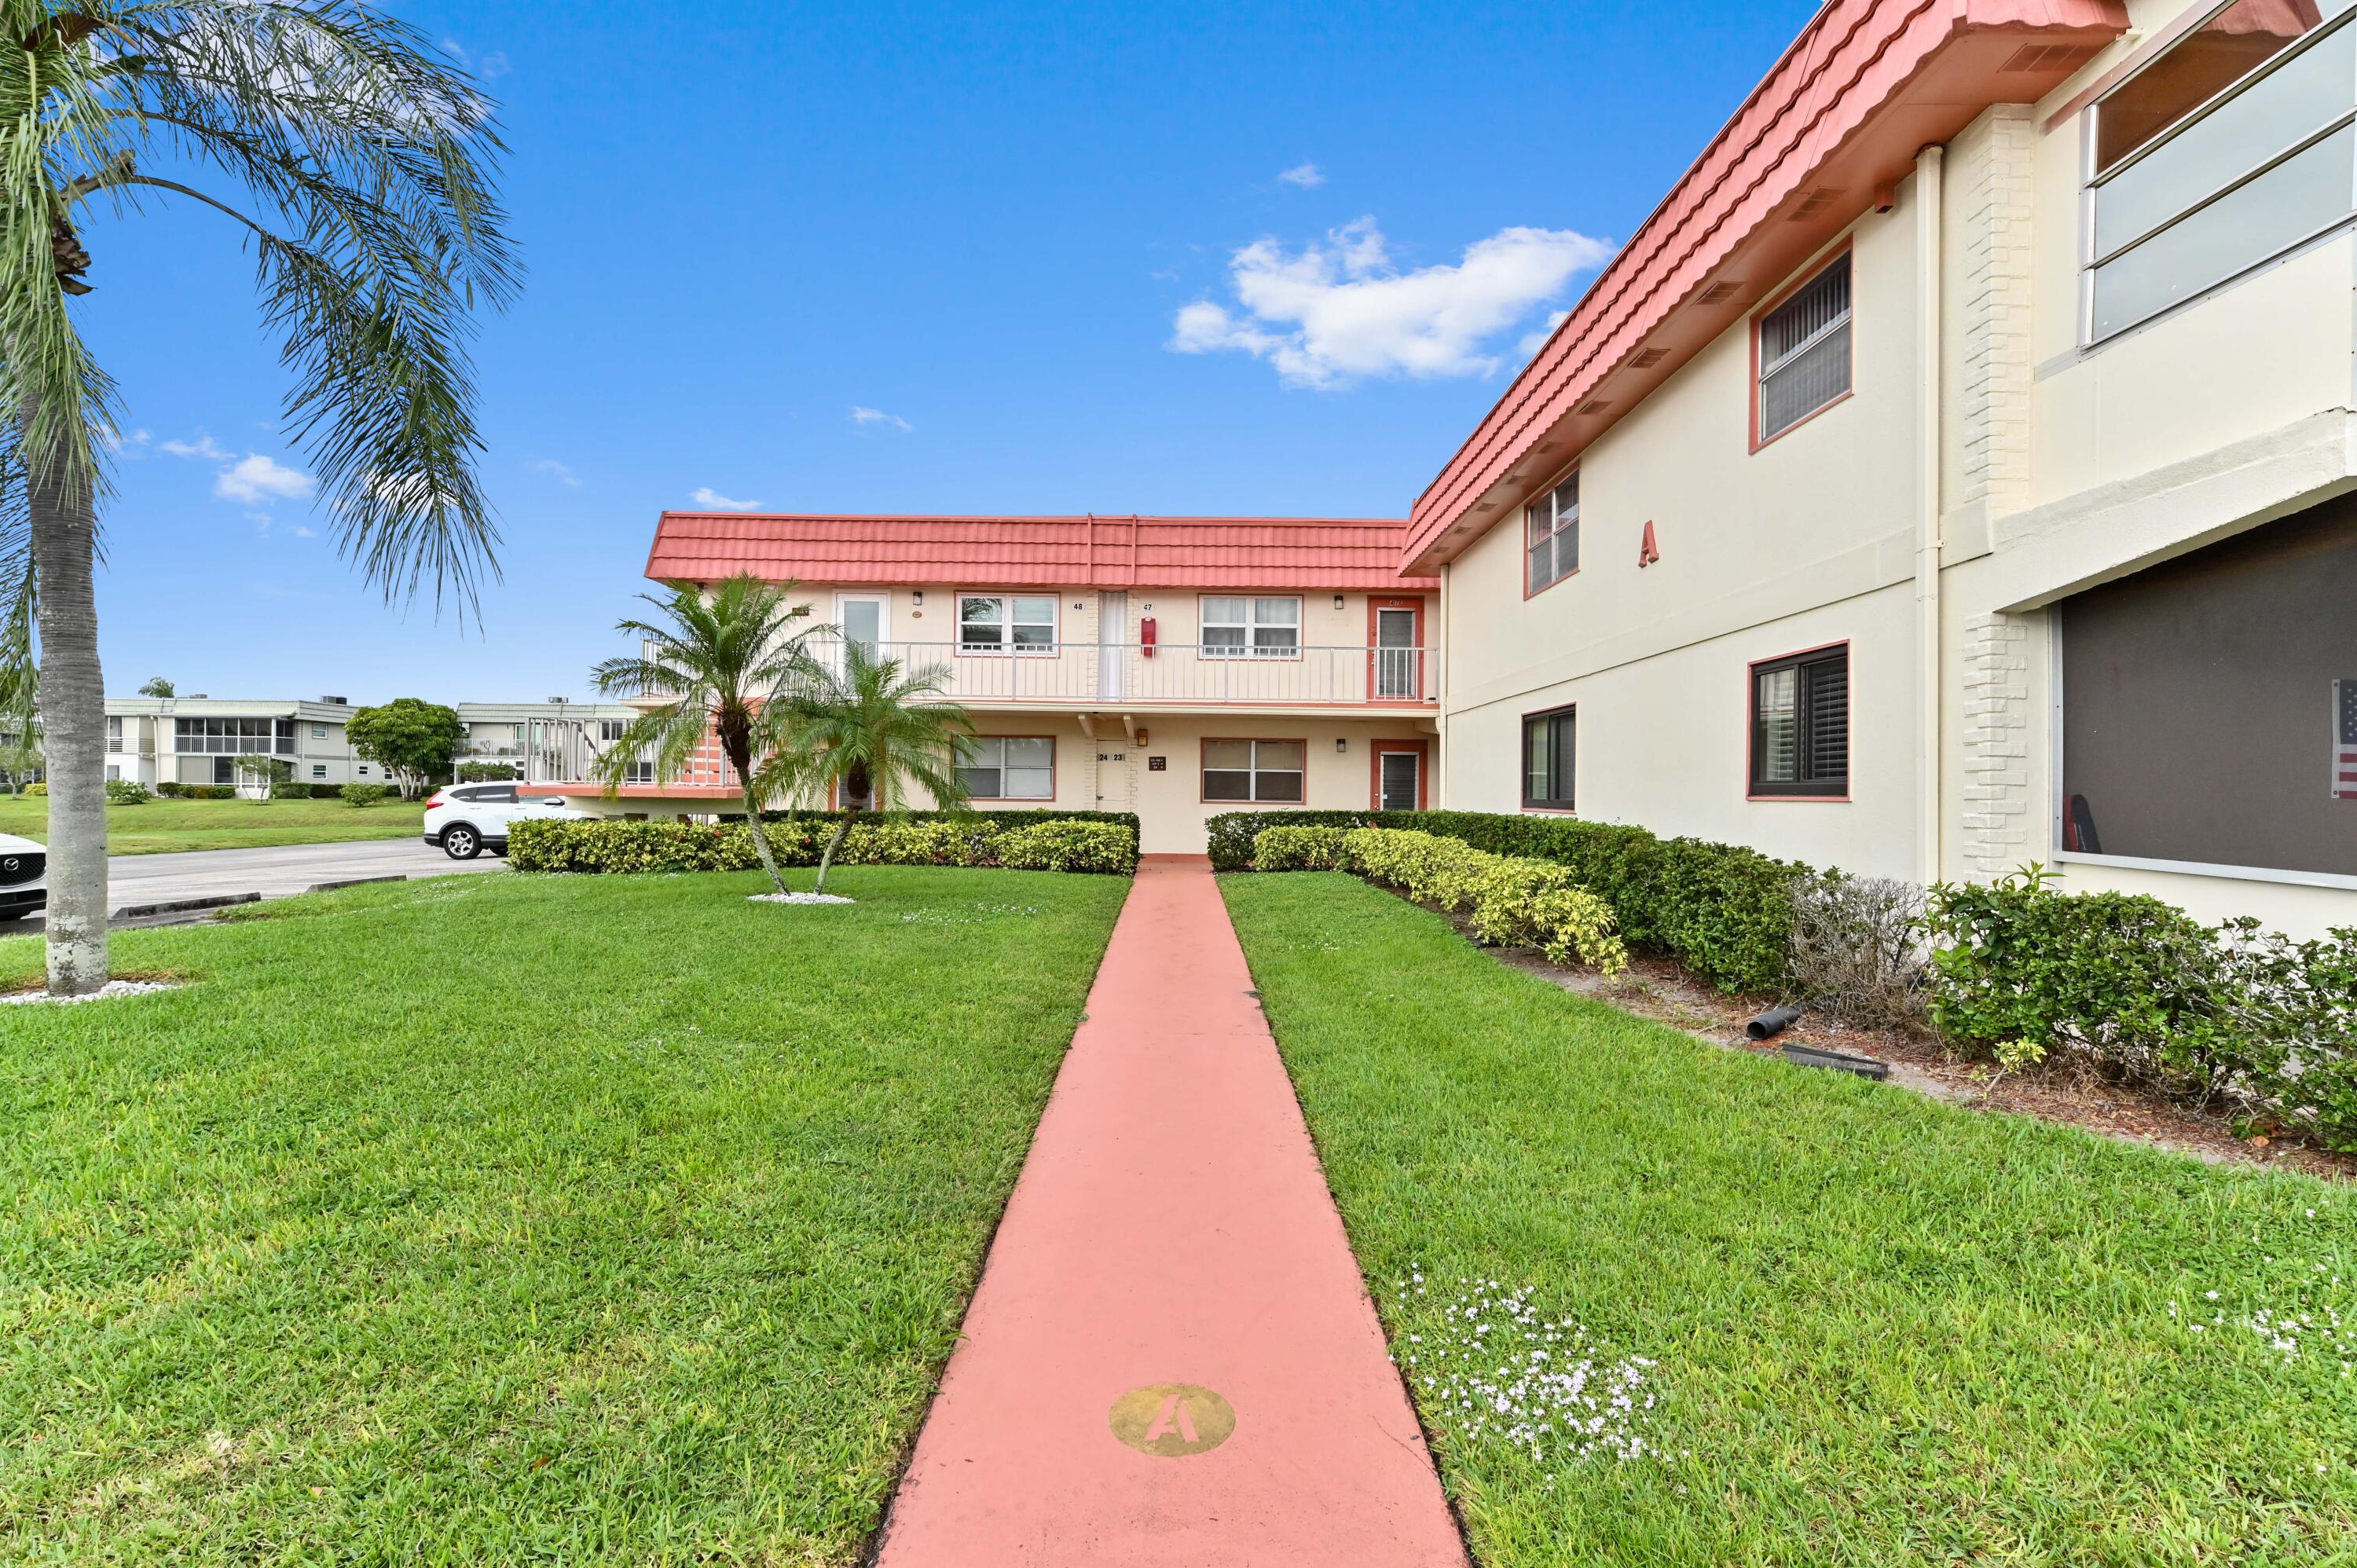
1439, 660
1927, 634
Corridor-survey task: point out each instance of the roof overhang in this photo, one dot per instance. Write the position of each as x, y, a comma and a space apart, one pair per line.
1839, 118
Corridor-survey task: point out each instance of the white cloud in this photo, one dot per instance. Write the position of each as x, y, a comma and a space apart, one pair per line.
255, 477
1534, 341
1308, 176
202, 447
1333, 313
704, 495
559, 471
867, 416
492, 65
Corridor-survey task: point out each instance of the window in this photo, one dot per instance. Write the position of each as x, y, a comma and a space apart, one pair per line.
234, 737
1255, 769
1251, 629
640, 772
363, 770
114, 732
1007, 767
519, 732
1551, 534
1550, 749
2230, 149
319, 770
113, 771
1800, 723
319, 732
1803, 352
995, 623
609, 730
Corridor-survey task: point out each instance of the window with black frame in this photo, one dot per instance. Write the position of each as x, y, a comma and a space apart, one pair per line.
1800, 724
1550, 755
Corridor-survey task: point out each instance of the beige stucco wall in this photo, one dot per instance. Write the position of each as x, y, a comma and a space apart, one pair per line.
1805, 541
1113, 773
922, 628
2059, 467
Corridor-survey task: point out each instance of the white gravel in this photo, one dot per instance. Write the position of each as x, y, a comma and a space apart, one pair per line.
796, 898
110, 990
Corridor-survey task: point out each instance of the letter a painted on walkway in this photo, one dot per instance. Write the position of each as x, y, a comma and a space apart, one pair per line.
1171, 1421
1174, 1411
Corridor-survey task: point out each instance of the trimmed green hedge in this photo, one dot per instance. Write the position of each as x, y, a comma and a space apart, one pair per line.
2230, 1011
611, 846
1014, 817
1723, 910
1515, 902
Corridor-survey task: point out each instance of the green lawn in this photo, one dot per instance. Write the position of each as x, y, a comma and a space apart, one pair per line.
503, 1219
1888, 1331
160, 825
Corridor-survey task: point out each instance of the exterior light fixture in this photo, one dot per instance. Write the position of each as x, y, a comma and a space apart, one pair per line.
1341, 743
917, 596
1337, 601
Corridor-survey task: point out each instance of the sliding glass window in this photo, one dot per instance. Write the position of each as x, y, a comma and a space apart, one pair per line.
2233, 146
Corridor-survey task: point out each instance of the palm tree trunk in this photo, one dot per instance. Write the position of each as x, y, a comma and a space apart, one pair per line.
842, 827
73, 724
761, 834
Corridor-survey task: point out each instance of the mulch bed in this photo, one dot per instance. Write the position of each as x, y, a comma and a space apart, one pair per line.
1660, 990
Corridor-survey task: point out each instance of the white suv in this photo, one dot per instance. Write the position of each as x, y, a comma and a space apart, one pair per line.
465, 820
24, 877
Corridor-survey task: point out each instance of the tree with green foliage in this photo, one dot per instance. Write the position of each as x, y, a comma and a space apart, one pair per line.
724, 663
157, 686
355, 163
411, 738
867, 729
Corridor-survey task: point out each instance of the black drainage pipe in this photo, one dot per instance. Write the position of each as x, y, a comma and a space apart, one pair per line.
1773, 1023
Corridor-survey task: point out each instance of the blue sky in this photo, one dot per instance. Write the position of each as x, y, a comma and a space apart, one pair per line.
1168, 259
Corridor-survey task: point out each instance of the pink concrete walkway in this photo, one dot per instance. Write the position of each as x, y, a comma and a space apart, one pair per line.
1172, 1227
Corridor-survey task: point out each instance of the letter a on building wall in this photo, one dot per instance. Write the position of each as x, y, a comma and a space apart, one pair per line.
1647, 551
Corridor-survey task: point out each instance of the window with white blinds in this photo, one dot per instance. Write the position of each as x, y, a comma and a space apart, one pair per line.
1007, 767
1800, 724
2236, 144
1804, 361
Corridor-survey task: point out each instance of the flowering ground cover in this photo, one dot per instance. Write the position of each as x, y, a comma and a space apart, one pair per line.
498, 1220
1663, 1304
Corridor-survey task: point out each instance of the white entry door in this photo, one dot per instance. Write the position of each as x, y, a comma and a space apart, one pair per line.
866, 619
1113, 646
1399, 780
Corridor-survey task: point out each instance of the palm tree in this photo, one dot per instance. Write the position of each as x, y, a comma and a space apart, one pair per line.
356, 163
724, 663
867, 731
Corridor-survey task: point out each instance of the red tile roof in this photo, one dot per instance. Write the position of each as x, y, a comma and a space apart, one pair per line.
1836, 120
1036, 551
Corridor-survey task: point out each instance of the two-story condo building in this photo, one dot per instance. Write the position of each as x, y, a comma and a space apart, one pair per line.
1953, 472
198, 740
1174, 667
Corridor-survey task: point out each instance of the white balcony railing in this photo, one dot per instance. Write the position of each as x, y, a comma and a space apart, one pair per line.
1173, 674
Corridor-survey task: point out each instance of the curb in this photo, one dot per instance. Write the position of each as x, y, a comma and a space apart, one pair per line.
355, 882
184, 906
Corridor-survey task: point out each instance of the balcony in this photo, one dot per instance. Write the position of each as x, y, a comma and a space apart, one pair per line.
1173, 675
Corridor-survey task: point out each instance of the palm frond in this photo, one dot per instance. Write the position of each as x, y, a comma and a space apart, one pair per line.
363, 163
